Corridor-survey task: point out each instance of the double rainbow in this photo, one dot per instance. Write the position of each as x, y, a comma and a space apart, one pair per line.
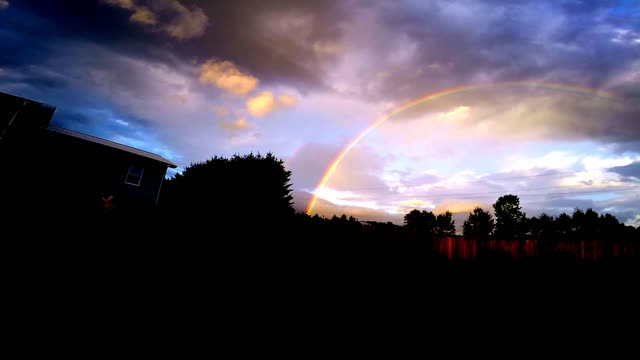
338, 159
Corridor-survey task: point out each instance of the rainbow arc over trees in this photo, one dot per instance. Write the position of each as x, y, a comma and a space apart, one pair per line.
436, 95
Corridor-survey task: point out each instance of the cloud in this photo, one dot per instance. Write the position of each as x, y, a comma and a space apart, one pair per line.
427, 48
142, 15
327, 48
558, 45
4, 4
125, 4
360, 170
552, 160
225, 75
459, 206
501, 115
253, 34
178, 98
283, 43
415, 204
635, 222
287, 100
261, 104
265, 102
240, 124
170, 16
455, 112
186, 23
351, 61
165, 106
327, 209
220, 111
631, 170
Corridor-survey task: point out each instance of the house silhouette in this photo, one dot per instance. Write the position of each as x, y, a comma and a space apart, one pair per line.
49, 169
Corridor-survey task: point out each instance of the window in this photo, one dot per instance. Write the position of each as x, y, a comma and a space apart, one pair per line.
134, 175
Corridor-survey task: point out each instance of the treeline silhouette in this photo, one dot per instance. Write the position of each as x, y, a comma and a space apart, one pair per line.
247, 198
227, 226
221, 205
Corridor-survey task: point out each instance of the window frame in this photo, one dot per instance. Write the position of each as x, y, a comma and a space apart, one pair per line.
132, 171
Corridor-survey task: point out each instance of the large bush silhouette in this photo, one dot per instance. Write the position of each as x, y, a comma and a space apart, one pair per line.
242, 192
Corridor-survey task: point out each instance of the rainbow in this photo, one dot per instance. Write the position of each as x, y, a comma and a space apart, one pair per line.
377, 122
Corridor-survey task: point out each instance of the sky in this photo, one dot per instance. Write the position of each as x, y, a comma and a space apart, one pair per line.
538, 98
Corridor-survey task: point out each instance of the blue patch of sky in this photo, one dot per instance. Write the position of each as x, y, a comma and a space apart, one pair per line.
626, 8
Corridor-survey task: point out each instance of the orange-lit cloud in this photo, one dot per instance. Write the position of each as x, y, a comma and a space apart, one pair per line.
240, 124
261, 104
265, 102
287, 100
225, 75
459, 206
4, 4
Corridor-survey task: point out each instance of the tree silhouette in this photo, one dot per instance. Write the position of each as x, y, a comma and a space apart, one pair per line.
420, 223
562, 227
510, 220
609, 225
479, 225
546, 228
445, 225
585, 224
242, 192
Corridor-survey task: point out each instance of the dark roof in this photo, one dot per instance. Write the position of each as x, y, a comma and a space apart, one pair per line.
112, 144
25, 112
14, 98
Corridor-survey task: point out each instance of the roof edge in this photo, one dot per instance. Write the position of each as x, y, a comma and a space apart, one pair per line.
117, 145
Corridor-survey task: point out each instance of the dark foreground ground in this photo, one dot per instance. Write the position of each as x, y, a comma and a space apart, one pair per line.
172, 295
129, 277
90, 287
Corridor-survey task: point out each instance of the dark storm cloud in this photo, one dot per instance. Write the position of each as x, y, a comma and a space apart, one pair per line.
426, 47
506, 41
630, 171
555, 206
82, 78
278, 41
35, 27
49, 44
297, 42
